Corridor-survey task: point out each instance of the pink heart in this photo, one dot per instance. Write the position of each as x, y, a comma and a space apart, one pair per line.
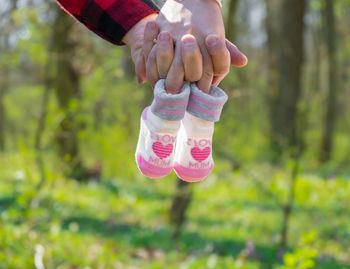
162, 151
200, 154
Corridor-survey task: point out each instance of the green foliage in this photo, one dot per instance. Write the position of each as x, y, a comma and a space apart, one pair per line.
304, 255
121, 221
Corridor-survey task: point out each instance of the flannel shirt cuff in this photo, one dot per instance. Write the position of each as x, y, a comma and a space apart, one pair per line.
112, 21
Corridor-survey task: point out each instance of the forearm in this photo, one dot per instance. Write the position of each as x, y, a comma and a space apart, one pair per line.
111, 20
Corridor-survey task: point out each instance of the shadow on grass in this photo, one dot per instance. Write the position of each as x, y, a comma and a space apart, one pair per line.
138, 236
138, 191
6, 201
272, 207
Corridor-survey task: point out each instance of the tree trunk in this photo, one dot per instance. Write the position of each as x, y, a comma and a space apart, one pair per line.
272, 22
4, 71
3, 88
181, 202
42, 121
231, 29
288, 207
44, 105
183, 194
67, 89
330, 119
290, 64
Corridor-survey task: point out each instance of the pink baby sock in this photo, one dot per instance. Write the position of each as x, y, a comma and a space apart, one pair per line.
193, 157
160, 123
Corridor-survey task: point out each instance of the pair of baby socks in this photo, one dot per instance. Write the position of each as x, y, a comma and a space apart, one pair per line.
176, 132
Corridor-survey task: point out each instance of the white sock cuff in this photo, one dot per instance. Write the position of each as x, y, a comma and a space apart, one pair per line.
206, 106
168, 106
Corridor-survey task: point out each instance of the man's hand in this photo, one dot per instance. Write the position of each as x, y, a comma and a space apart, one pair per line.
160, 58
140, 39
161, 63
135, 40
203, 20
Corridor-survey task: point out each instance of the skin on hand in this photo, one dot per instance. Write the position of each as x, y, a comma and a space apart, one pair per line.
135, 40
191, 58
200, 18
162, 54
163, 61
185, 63
140, 39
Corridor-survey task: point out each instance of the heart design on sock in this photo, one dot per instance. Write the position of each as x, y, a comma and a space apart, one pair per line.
162, 151
200, 154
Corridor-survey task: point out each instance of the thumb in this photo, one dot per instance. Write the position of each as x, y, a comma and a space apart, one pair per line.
238, 59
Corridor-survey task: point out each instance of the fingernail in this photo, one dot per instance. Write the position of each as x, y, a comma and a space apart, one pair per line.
188, 41
212, 40
164, 37
152, 25
139, 80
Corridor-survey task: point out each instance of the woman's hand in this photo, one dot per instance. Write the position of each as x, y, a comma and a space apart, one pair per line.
203, 20
187, 63
135, 40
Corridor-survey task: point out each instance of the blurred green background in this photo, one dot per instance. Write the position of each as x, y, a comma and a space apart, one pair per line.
71, 195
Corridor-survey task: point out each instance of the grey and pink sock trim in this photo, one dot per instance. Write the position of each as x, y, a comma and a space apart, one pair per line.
170, 106
206, 106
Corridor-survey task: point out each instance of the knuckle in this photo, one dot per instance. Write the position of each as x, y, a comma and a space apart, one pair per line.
219, 51
148, 37
207, 74
221, 67
178, 67
221, 70
191, 56
193, 74
192, 77
151, 59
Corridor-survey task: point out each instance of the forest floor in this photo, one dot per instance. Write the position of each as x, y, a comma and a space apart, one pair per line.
234, 221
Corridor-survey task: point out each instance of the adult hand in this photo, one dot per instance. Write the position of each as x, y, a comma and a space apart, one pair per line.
160, 56
140, 39
203, 20
135, 40
160, 61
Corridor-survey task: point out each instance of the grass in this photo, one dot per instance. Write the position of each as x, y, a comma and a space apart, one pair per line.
123, 222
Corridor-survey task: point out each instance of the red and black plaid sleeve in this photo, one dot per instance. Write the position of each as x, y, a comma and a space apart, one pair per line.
110, 19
